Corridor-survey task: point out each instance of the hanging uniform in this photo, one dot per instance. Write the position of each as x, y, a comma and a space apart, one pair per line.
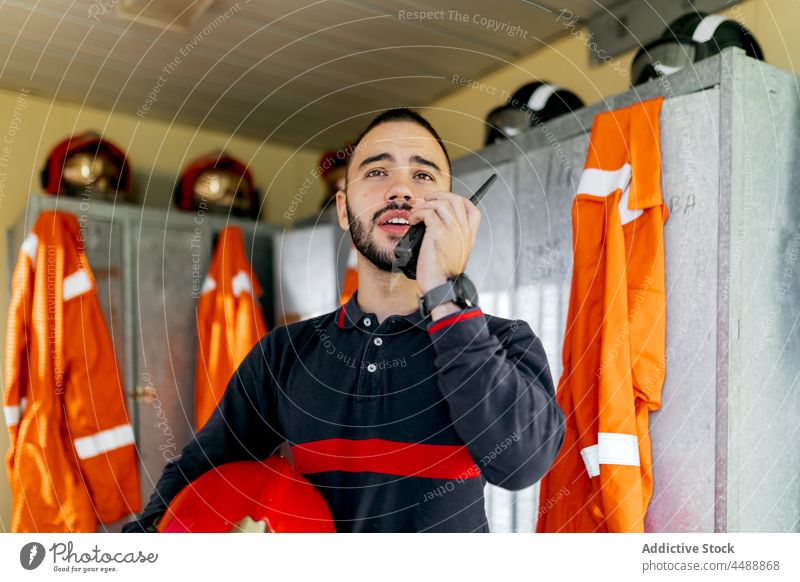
229, 321
72, 461
614, 345
350, 283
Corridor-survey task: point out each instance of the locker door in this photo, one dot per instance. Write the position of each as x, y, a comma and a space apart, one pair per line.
683, 430
104, 251
258, 249
491, 264
103, 240
546, 181
304, 266
167, 263
103, 236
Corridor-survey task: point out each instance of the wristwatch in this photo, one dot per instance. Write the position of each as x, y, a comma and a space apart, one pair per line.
458, 289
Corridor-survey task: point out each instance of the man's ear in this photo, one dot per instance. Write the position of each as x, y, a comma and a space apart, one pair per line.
341, 210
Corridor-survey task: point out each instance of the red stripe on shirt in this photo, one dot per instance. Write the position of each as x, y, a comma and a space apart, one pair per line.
341, 318
451, 319
382, 456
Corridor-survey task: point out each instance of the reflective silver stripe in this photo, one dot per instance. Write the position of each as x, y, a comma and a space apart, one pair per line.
598, 182
104, 441
13, 414
208, 285
707, 27
30, 245
76, 284
611, 449
241, 283
625, 214
591, 460
541, 94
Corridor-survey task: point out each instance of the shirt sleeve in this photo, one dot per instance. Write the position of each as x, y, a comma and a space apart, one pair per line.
500, 394
244, 426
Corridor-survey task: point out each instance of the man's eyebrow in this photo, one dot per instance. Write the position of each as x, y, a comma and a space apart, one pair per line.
385, 156
425, 162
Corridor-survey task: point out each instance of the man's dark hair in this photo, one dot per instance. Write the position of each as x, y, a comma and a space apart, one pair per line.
397, 114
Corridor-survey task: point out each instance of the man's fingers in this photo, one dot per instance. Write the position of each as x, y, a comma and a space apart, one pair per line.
428, 215
442, 209
473, 217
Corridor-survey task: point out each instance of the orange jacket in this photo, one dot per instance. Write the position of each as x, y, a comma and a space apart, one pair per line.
614, 345
72, 460
229, 321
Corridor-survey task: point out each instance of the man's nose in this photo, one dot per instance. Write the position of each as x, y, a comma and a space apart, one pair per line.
400, 191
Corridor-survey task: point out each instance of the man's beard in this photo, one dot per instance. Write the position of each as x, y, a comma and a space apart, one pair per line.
384, 260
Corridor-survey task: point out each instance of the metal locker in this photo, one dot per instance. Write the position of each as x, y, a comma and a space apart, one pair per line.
166, 340
492, 267
305, 272
726, 444
258, 243
682, 430
150, 265
491, 264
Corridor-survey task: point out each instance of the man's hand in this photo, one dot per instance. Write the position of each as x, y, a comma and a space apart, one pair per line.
451, 225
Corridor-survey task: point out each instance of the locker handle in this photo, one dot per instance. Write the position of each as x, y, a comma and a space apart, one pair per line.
145, 394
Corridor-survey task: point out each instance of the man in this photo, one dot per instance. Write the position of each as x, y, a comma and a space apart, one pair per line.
397, 419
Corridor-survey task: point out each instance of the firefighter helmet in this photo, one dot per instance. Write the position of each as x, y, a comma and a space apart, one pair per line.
531, 105
87, 164
218, 183
690, 39
243, 493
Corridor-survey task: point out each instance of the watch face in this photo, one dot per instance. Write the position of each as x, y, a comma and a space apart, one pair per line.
467, 289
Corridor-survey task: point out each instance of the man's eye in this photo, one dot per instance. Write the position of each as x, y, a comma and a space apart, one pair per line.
425, 174
373, 172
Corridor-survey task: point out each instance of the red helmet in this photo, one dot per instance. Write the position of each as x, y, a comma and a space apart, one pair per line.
220, 182
268, 491
334, 159
86, 161
332, 167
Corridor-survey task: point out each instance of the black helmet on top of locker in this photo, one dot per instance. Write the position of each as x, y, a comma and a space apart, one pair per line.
690, 39
543, 101
505, 122
530, 105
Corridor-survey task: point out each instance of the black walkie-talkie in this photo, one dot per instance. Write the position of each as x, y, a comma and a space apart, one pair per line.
406, 252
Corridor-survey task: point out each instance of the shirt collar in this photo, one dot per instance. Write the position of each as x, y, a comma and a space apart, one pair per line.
350, 314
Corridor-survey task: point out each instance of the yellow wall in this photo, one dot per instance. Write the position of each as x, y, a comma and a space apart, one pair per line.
35, 124
459, 117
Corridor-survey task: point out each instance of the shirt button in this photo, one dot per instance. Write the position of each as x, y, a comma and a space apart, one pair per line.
367, 321
378, 341
372, 367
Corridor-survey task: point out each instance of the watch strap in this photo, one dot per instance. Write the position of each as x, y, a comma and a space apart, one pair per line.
437, 296
453, 290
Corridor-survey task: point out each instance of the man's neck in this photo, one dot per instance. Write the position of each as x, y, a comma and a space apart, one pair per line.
384, 294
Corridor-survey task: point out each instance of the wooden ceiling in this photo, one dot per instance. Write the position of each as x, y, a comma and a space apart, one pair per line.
297, 72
